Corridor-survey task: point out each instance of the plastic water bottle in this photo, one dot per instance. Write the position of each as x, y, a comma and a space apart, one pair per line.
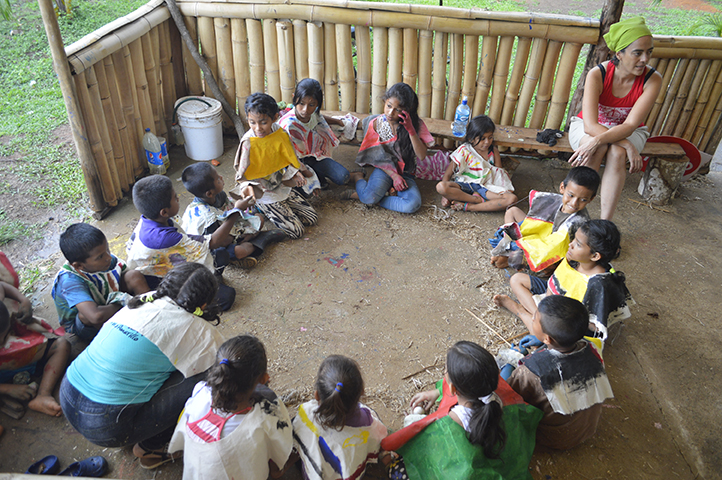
164, 152
153, 153
461, 119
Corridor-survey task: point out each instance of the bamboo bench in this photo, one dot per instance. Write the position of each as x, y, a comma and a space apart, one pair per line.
667, 161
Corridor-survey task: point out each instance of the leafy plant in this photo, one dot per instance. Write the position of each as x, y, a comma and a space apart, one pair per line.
708, 21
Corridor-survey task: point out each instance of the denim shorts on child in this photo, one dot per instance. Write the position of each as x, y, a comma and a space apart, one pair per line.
538, 285
472, 188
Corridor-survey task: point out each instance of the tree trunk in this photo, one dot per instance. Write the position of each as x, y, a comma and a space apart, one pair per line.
611, 13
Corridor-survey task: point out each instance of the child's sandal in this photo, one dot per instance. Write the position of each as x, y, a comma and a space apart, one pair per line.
150, 459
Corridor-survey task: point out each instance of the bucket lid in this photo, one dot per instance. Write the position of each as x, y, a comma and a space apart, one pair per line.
196, 108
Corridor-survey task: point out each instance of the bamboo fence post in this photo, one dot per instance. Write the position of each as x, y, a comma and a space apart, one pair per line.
151, 75
363, 65
287, 75
562, 85
256, 56
346, 79
665, 67
131, 107
702, 99
396, 45
426, 39
330, 95
300, 48
115, 121
438, 80
315, 51
207, 37
226, 73
501, 73
452, 97
72, 106
486, 73
193, 71
543, 93
119, 85
378, 78
517, 75
141, 85
471, 57
708, 121
176, 52
410, 71
96, 144
270, 57
677, 78
167, 82
716, 136
692, 95
531, 79
98, 109
680, 98
239, 42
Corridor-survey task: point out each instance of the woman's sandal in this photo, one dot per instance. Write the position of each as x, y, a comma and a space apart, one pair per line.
246, 262
150, 459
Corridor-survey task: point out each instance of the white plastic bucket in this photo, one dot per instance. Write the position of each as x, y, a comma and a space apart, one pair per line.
201, 127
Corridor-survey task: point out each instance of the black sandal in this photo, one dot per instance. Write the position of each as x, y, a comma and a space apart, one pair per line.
150, 459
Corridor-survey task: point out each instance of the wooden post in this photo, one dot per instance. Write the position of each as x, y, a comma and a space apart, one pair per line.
75, 119
426, 39
661, 179
239, 41
286, 60
256, 62
380, 66
300, 48
363, 58
315, 51
226, 73
346, 80
330, 91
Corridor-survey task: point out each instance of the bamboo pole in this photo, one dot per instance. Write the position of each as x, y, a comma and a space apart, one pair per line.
716, 137
207, 37
691, 97
167, 80
96, 144
702, 99
256, 56
72, 106
426, 39
396, 45
100, 95
378, 78
141, 86
193, 71
300, 48
452, 97
116, 123
543, 93
363, 61
438, 81
671, 93
131, 106
666, 69
410, 71
152, 77
119, 85
706, 122
486, 74
286, 60
315, 51
517, 74
176, 52
501, 73
270, 56
346, 79
330, 95
471, 57
531, 79
226, 77
562, 85
239, 42
680, 98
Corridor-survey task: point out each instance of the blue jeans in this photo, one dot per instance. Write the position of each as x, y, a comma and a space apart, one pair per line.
374, 190
84, 332
119, 425
328, 168
471, 188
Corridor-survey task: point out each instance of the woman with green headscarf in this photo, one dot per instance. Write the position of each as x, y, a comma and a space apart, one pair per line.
618, 96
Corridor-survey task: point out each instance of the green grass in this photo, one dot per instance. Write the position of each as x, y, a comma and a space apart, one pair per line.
11, 229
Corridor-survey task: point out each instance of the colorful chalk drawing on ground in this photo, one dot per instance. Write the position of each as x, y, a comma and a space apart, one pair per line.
369, 278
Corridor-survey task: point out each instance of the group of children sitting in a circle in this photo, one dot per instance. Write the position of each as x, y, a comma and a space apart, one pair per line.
153, 348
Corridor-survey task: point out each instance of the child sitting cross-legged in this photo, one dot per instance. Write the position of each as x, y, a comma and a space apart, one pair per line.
565, 378
158, 243
93, 284
211, 206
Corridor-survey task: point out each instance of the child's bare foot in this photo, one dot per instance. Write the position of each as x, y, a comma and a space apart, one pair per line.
500, 261
479, 198
445, 202
504, 301
354, 177
22, 393
45, 404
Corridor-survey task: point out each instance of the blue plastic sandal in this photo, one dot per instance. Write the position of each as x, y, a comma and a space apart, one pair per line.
47, 466
90, 467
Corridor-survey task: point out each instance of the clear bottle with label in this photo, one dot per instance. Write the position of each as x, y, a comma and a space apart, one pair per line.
461, 119
153, 153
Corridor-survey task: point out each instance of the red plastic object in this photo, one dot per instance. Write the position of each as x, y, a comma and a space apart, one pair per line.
695, 159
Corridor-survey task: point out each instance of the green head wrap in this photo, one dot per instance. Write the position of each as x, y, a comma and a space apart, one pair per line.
623, 33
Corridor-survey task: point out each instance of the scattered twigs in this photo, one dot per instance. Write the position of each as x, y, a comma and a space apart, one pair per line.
487, 326
509, 340
425, 369
653, 207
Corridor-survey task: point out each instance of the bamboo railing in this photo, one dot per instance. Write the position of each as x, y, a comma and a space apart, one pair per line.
515, 67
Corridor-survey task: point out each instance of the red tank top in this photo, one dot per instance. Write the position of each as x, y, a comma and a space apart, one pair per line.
613, 111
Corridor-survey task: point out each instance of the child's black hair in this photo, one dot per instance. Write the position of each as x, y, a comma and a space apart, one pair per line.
308, 87
189, 285
4, 320
78, 240
564, 319
478, 127
409, 102
239, 363
603, 237
262, 104
584, 177
198, 178
474, 373
152, 194
339, 385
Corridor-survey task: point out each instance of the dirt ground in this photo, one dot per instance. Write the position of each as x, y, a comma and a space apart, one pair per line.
392, 291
